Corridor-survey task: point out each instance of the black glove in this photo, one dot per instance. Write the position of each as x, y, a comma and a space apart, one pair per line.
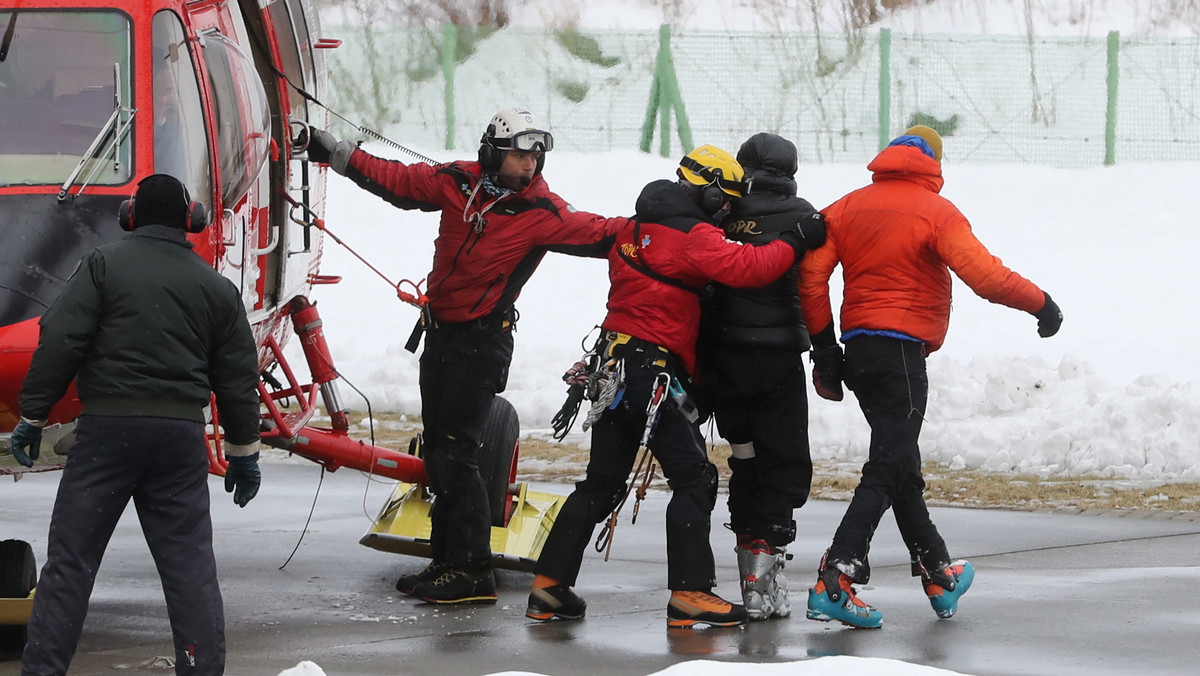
1049, 317
26, 436
242, 478
812, 229
565, 418
827, 372
808, 233
321, 145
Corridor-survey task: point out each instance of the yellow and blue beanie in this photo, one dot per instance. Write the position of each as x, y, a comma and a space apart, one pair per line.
923, 138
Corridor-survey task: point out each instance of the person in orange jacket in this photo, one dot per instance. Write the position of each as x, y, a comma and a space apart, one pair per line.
897, 241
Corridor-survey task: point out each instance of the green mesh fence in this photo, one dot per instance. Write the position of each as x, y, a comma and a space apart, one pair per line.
1006, 99
1054, 101
1158, 114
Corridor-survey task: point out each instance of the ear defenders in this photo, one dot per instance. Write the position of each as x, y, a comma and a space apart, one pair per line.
195, 221
490, 157
711, 199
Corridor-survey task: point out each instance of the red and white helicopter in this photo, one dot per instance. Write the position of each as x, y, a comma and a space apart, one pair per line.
97, 94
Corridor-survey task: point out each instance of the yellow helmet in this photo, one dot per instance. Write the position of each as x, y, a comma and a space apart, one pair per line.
708, 165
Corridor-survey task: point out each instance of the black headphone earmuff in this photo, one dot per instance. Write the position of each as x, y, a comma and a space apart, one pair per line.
197, 217
195, 221
490, 157
711, 199
125, 215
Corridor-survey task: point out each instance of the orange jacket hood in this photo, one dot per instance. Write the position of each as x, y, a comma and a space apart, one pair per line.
907, 163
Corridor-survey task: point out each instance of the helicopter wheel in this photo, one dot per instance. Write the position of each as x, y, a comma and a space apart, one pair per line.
498, 458
18, 577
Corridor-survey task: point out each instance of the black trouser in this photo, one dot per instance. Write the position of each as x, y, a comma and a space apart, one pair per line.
463, 367
162, 465
888, 377
759, 397
679, 449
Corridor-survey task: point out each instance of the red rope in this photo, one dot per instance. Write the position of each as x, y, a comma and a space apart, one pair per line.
418, 298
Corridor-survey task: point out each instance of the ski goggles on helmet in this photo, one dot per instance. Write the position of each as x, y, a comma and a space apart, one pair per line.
526, 141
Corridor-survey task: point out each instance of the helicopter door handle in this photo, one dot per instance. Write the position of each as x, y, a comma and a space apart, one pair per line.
270, 245
227, 217
327, 43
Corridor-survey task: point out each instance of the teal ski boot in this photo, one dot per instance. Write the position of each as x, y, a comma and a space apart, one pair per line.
833, 598
945, 586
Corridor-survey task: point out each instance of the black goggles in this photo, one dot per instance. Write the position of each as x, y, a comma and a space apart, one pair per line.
527, 141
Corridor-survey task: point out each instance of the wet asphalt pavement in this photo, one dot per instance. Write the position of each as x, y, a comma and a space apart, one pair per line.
1055, 593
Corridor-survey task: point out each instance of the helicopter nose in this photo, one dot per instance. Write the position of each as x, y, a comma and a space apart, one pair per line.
17, 307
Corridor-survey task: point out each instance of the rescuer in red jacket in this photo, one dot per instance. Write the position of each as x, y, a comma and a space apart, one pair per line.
897, 241
660, 263
499, 219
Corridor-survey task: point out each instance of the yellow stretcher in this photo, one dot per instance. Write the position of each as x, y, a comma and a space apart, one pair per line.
15, 612
402, 526
521, 518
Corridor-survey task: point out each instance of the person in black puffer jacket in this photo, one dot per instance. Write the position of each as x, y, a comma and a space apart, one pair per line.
751, 348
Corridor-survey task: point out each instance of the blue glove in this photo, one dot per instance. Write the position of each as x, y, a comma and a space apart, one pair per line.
26, 436
242, 478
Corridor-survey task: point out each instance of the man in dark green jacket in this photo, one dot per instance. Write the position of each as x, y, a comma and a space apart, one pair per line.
148, 330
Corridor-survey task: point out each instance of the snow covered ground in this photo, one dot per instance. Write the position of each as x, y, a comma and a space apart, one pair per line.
824, 666
1114, 394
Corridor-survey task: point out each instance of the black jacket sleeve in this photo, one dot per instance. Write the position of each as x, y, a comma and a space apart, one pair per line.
234, 375
68, 329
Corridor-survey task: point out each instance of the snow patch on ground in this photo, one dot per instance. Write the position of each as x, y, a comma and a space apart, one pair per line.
824, 666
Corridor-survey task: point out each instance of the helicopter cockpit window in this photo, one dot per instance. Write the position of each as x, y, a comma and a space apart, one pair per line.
243, 125
62, 76
180, 144
289, 51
